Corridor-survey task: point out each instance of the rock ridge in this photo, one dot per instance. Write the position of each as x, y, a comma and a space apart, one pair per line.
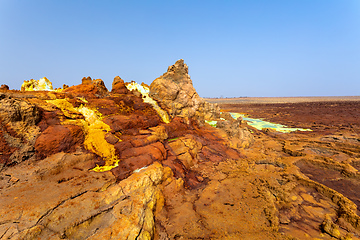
83, 162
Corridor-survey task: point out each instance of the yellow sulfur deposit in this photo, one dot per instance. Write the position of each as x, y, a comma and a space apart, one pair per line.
95, 130
63, 104
43, 84
95, 139
83, 99
146, 98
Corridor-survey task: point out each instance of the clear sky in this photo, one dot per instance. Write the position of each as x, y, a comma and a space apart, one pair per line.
233, 48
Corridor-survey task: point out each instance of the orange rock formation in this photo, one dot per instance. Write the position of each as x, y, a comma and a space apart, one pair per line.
86, 163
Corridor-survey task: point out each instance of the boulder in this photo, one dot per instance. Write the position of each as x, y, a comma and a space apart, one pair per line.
86, 80
118, 86
4, 87
238, 136
100, 85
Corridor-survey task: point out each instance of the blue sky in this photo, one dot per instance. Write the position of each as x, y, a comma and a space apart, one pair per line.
233, 48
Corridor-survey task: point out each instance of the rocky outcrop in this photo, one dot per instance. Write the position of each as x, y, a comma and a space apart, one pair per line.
43, 84
18, 119
236, 132
4, 87
174, 91
15, 111
118, 86
94, 87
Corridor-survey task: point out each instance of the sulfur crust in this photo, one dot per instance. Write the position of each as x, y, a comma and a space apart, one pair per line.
147, 99
63, 104
95, 131
43, 84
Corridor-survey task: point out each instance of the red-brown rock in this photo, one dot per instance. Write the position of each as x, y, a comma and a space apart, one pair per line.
136, 158
111, 138
155, 150
118, 86
5, 150
128, 166
88, 87
4, 87
120, 123
58, 138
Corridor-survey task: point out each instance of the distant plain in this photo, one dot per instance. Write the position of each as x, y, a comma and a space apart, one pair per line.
265, 100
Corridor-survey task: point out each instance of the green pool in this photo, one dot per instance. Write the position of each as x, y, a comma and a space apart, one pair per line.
260, 124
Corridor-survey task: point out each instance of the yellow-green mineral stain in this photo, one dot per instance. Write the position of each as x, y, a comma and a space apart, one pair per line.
260, 124
212, 123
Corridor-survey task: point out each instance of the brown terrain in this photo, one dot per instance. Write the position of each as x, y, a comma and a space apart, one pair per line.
88, 163
322, 165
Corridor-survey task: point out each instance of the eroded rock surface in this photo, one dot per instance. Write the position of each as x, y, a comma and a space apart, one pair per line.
86, 163
18, 119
